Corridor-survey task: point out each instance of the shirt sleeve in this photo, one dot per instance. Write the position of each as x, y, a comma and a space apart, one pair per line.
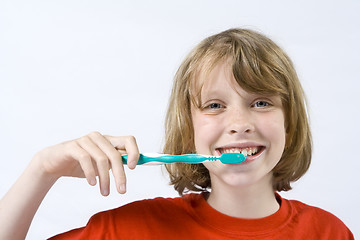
95, 229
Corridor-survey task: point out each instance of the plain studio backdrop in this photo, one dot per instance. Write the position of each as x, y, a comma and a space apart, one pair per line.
70, 67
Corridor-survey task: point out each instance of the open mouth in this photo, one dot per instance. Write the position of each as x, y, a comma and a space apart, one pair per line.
247, 151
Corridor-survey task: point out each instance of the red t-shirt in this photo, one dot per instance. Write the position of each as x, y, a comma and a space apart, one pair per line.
191, 217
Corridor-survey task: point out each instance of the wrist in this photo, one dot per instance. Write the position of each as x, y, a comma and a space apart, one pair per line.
38, 169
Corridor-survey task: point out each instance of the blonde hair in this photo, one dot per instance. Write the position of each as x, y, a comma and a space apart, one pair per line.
258, 65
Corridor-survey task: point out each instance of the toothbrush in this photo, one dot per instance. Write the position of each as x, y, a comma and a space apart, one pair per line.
158, 158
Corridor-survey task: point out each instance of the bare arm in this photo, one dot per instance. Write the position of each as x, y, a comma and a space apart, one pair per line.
90, 156
19, 205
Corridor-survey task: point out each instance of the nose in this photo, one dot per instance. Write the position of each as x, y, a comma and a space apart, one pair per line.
240, 121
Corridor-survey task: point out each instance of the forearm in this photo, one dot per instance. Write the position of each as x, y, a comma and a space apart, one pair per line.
19, 205
89, 156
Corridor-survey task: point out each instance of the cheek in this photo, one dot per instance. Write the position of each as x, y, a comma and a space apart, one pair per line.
206, 131
274, 130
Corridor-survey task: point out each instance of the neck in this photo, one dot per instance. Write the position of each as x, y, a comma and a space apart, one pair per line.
255, 201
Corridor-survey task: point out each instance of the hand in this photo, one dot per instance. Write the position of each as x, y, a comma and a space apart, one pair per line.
90, 156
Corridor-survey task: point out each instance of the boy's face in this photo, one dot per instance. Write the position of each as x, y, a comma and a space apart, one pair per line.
233, 120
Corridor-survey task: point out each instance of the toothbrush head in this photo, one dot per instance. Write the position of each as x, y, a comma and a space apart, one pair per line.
232, 158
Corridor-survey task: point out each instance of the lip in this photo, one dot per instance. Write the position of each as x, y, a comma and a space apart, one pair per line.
249, 159
244, 145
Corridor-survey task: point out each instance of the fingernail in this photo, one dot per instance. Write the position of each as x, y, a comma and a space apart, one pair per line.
92, 181
122, 188
132, 165
105, 192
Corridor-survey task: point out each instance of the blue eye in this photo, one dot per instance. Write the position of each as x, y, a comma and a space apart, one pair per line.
261, 104
215, 105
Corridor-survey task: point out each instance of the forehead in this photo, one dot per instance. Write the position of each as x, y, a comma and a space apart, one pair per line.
261, 80
215, 80
211, 76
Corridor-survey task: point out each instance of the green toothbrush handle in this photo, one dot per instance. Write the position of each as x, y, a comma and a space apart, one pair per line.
164, 158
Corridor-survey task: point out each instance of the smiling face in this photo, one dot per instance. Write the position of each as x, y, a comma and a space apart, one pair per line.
229, 119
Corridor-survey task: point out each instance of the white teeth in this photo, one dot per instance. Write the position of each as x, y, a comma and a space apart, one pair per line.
244, 151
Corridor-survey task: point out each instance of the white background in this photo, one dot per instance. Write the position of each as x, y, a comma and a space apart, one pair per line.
70, 67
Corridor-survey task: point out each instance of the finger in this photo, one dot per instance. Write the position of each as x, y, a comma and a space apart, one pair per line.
84, 159
127, 143
120, 177
115, 161
101, 161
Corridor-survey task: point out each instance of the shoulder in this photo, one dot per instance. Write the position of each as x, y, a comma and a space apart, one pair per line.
149, 215
318, 220
150, 208
301, 209
154, 204
155, 217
